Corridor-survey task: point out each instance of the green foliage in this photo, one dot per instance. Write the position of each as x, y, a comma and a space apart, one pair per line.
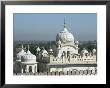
42, 67
88, 45
17, 67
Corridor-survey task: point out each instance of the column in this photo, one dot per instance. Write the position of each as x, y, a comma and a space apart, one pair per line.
33, 66
27, 68
21, 70
36, 67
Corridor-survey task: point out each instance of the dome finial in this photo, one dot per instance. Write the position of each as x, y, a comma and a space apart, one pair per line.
65, 28
22, 46
50, 44
28, 47
64, 23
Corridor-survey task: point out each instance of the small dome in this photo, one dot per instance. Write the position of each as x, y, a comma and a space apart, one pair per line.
38, 49
28, 52
59, 42
84, 51
77, 42
20, 54
29, 57
44, 52
94, 50
50, 50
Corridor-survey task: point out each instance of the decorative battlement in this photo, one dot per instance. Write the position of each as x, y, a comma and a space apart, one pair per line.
77, 59
61, 73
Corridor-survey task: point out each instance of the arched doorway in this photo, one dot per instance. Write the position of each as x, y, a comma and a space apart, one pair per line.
63, 54
68, 54
35, 69
30, 68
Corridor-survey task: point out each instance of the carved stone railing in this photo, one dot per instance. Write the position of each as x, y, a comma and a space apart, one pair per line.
73, 72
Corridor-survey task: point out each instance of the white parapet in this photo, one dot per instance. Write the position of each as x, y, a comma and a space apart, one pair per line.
75, 60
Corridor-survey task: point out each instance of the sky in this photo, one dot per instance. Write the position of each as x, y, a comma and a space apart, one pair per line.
45, 26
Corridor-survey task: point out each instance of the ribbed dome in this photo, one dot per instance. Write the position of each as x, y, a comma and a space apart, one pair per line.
44, 52
65, 36
84, 51
29, 57
21, 53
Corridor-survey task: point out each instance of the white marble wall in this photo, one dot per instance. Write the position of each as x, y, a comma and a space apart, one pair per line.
75, 60
65, 70
65, 49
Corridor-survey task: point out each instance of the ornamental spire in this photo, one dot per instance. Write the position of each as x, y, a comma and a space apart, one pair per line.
22, 46
28, 47
64, 23
65, 28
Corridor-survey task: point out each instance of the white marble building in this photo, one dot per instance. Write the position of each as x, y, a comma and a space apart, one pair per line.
66, 43
67, 56
26, 61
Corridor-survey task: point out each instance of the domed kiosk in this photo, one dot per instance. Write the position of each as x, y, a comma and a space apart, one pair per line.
27, 61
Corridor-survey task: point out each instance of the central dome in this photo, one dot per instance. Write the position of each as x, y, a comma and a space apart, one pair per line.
65, 36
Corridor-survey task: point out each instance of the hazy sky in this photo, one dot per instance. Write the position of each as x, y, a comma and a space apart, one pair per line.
45, 26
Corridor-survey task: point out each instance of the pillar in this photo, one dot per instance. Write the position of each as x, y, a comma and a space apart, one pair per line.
36, 67
27, 68
21, 70
33, 66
